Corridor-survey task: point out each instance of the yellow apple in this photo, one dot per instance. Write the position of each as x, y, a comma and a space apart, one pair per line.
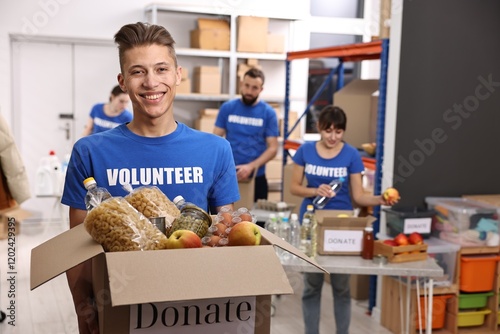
391, 195
183, 239
244, 234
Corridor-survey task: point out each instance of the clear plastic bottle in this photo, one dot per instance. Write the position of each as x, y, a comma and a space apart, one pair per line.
367, 251
294, 230
95, 195
272, 224
319, 202
284, 230
308, 232
192, 218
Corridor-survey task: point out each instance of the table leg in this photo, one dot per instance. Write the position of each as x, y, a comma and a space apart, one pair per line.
408, 304
429, 308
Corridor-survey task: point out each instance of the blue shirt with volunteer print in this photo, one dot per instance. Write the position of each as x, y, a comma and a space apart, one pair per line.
103, 122
318, 170
197, 165
247, 129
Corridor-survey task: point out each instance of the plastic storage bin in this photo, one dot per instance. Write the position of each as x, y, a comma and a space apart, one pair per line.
472, 318
438, 311
473, 300
477, 272
445, 254
409, 220
465, 222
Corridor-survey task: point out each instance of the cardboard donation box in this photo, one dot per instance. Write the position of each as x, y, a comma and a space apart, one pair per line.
252, 34
211, 35
197, 290
207, 80
340, 235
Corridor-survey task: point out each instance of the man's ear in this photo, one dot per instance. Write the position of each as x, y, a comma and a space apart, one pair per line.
179, 75
121, 82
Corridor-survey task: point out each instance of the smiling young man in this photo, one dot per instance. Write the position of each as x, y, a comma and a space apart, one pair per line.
251, 127
151, 150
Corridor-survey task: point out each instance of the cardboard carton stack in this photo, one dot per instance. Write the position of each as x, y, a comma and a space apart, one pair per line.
207, 80
206, 120
211, 35
253, 36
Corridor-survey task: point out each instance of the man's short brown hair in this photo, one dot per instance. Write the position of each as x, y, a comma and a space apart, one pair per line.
255, 73
142, 34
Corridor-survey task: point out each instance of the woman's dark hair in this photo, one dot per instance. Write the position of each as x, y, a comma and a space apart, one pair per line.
143, 34
117, 91
331, 115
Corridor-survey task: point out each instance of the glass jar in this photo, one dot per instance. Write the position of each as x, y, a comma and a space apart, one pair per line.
191, 218
367, 252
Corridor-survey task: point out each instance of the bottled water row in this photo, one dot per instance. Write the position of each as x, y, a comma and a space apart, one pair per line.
291, 231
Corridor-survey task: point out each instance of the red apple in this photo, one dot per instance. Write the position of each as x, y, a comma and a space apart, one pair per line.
184, 239
391, 195
401, 239
390, 242
244, 234
415, 238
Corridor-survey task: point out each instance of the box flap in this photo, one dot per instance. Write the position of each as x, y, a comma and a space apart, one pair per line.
213, 24
190, 274
330, 218
61, 253
277, 241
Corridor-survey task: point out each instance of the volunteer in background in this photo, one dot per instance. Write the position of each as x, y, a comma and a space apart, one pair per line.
162, 152
313, 160
251, 127
105, 116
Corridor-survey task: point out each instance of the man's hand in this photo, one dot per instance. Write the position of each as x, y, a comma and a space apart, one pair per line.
243, 172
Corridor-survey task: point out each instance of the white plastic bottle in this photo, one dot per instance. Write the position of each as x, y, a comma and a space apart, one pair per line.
272, 224
294, 230
95, 195
44, 185
320, 201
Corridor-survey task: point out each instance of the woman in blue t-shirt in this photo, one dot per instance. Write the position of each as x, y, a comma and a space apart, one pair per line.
320, 162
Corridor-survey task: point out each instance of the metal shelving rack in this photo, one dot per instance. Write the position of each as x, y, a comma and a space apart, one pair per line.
346, 53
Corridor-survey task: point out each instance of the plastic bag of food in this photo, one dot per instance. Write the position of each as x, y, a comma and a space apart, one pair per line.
118, 226
152, 203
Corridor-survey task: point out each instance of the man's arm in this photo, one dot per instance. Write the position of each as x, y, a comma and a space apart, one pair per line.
80, 285
244, 171
219, 131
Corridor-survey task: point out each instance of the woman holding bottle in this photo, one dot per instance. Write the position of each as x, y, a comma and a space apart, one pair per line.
320, 162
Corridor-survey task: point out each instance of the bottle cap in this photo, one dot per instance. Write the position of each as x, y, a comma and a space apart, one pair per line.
369, 229
310, 207
88, 182
177, 199
272, 215
294, 216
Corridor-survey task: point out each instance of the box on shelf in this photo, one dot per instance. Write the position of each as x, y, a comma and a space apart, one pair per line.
472, 318
439, 306
132, 286
356, 100
446, 255
275, 43
340, 235
247, 191
184, 87
464, 221
207, 80
252, 34
473, 300
205, 124
409, 220
209, 112
211, 35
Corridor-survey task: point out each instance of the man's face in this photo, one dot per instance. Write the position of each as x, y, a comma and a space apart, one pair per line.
150, 77
250, 89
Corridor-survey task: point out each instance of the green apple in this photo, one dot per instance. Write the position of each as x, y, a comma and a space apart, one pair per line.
184, 239
244, 234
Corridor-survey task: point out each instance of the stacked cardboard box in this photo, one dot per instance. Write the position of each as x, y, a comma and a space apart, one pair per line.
211, 35
207, 80
275, 43
206, 120
252, 34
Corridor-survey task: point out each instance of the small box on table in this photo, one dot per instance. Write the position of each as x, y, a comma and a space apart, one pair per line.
340, 235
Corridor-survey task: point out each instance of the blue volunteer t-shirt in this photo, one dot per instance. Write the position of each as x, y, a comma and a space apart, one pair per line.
103, 122
247, 128
197, 165
318, 170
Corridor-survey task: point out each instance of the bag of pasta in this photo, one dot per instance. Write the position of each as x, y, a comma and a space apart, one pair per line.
152, 203
118, 226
